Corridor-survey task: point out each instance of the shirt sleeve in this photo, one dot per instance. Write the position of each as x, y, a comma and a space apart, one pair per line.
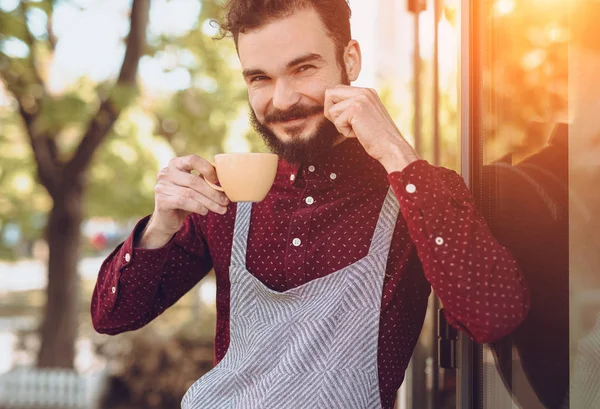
478, 281
136, 285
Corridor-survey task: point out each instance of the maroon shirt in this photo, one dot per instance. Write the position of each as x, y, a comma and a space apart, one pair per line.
332, 207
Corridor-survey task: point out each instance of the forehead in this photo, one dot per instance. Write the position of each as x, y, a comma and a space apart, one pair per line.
273, 45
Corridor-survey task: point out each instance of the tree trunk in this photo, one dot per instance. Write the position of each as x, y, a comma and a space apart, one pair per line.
58, 331
64, 182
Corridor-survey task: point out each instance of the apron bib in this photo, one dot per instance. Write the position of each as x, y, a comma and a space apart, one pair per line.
311, 347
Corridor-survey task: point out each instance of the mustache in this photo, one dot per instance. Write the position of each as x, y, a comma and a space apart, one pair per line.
295, 112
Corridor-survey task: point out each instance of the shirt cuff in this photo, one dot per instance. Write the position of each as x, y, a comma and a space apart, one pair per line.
145, 264
128, 255
417, 183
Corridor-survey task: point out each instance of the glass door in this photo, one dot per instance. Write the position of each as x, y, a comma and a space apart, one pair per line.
531, 147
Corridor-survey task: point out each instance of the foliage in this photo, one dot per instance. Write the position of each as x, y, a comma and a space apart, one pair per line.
150, 370
122, 176
20, 195
524, 61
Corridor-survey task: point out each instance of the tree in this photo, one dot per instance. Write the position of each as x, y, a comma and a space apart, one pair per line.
197, 120
64, 172
118, 182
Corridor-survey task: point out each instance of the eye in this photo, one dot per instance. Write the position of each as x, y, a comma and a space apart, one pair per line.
258, 78
305, 67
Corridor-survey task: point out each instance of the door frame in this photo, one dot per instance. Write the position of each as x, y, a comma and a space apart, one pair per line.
469, 374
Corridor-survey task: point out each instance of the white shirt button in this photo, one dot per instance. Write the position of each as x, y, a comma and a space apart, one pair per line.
311, 168
292, 177
410, 188
310, 200
333, 176
114, 290
296, 242
439, 241
128, 257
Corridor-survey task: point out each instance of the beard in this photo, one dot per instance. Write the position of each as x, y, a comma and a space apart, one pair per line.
299, 149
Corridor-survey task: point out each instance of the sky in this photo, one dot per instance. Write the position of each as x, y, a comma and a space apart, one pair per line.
90, 42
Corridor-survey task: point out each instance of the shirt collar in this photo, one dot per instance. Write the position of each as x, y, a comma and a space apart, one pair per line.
346, 161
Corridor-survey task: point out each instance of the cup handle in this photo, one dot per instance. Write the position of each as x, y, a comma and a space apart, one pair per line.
220, 189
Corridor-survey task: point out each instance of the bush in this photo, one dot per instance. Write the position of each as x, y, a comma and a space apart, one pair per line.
149, 370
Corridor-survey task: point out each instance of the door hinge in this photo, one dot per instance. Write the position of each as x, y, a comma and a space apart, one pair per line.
447, 342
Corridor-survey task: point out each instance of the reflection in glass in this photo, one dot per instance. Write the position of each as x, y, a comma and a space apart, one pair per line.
523, 131
529, 214
537, 66
584, 178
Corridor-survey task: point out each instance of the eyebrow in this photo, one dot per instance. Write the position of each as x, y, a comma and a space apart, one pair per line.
296, 61
305, 58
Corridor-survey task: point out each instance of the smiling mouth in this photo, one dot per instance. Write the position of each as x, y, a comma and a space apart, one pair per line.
298, 119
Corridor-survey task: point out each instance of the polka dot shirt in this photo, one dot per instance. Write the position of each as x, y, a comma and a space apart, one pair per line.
318, 218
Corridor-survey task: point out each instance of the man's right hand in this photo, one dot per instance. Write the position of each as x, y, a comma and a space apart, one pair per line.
179, 193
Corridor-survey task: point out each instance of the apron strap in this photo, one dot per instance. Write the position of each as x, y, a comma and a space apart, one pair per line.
384, 231
240, 234
382, 238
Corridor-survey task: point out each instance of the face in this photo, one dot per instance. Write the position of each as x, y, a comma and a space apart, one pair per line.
288, 64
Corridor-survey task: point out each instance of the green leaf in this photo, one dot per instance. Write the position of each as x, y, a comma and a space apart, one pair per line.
123, 96
13, 25
46, 5
60, 112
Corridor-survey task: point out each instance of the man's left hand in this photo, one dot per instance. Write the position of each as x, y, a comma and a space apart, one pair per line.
359, 113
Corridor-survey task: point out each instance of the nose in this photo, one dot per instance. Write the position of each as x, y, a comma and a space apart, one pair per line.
285, 95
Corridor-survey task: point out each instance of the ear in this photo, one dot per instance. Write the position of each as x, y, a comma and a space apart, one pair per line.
353, 60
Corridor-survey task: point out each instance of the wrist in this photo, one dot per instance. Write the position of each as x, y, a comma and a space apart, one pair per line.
398, 157
153, 237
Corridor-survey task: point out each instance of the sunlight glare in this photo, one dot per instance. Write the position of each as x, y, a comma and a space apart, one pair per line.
8, 5
23, 183
504, 7
13, 47
208, 291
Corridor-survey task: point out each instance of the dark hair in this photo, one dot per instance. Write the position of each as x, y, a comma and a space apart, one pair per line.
242, 15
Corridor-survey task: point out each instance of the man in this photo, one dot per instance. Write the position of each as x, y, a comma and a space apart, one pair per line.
322, 287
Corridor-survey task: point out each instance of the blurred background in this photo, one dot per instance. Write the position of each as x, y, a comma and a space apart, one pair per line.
97, 95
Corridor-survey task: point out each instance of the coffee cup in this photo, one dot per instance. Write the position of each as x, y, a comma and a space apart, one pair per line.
245, 177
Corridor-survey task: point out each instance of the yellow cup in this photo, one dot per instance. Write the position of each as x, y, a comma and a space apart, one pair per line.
245, 177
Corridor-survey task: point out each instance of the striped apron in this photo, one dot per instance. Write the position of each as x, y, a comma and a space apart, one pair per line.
311, 347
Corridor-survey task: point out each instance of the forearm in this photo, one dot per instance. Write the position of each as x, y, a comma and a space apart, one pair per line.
478, 280
136, 285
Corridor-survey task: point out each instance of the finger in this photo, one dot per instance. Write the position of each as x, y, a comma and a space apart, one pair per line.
168, 189
196, 183
187, 198
341, 93
167, 201
194, 162
337, 109
343, 123
185, 204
